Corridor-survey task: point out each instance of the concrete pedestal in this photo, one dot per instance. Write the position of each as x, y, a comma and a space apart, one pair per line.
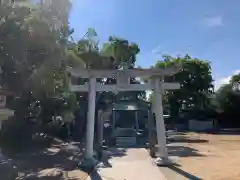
164, 162
88, 164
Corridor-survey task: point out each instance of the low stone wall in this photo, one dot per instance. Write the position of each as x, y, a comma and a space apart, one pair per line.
196, 125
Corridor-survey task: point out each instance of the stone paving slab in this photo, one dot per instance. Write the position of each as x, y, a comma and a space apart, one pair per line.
128, 164
76, 175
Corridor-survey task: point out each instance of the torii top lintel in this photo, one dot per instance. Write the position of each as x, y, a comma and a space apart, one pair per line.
136, 72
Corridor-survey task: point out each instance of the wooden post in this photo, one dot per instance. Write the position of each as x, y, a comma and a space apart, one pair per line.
112, 140
100, 133
152, 149
113, 121
136, 120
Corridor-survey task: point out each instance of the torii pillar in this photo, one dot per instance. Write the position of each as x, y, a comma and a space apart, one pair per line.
160, 125
90, 119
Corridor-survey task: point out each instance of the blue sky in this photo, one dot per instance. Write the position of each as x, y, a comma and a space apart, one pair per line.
208, 30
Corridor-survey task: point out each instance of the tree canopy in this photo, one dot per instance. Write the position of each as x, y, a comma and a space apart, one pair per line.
227, 102
196, 84
32, 49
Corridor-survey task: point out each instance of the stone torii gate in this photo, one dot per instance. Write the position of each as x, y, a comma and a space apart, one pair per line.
123, 84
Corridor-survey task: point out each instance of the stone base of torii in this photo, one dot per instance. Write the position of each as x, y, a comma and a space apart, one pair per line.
123, 84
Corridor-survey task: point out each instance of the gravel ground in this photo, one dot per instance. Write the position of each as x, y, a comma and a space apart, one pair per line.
204, 156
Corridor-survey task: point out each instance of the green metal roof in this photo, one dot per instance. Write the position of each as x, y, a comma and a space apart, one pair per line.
131, 106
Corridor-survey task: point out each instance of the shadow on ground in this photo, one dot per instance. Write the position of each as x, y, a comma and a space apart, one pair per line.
186, 140
227, 131
176, 169
177, 147
182, 151
233, 131
49, 163
110, 153
95, 176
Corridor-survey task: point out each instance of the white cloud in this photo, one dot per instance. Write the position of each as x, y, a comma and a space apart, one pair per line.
213, 21
224, 80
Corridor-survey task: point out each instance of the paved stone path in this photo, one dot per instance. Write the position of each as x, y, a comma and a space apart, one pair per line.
128, 164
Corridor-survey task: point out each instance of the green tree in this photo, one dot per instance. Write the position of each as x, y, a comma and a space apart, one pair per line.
196, 84
123, 52
227, 101
33, 48
34, 40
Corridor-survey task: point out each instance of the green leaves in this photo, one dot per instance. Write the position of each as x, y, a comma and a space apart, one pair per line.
91, 32
235, 81
73, 60
32, 50
196, 83
114, 54
123, 52
227, 102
